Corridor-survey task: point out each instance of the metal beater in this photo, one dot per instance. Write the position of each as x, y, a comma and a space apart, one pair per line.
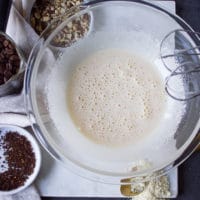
180, 54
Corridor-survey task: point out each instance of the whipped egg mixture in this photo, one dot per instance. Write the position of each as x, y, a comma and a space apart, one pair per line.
115, 97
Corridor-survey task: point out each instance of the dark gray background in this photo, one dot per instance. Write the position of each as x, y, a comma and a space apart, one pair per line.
189, 172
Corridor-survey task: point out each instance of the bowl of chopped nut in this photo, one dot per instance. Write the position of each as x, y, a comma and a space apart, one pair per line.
45, 12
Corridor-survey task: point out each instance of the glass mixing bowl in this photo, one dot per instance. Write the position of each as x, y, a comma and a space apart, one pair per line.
133, 25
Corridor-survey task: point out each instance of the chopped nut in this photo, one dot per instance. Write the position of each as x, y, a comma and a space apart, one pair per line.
45, 18
37, 15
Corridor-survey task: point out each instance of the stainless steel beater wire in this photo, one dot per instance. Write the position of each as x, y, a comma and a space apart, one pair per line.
196, 68
168, 88
182, 52
181, 99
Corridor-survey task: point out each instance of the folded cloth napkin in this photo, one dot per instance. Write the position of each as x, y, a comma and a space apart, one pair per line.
24, 36
27, 194
12, 104
18, 27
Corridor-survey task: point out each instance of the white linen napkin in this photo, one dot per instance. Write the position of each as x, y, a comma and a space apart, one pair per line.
25, 37
18, 27
27, 194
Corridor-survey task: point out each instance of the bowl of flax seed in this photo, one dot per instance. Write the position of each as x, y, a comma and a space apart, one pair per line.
20, 159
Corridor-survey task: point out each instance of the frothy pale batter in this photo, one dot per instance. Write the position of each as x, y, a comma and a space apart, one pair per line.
115, 97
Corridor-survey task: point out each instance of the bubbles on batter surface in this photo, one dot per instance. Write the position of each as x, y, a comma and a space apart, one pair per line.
112, 97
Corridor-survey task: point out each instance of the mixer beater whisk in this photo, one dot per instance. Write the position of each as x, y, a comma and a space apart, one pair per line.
180, 54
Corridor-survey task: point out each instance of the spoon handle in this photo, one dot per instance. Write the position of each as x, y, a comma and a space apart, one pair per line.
5, 6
